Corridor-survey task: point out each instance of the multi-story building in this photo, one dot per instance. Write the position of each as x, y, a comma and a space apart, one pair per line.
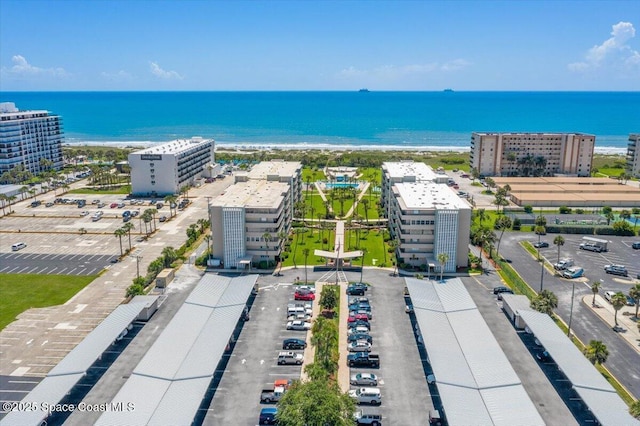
428, 219
532, 154
28, 138
405, 171
164, 169
633, 155
243, 216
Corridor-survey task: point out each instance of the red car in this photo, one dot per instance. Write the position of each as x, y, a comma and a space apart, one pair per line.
354, 316
113, 205
304, 296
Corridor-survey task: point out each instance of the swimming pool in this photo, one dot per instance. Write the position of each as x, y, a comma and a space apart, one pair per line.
332, 185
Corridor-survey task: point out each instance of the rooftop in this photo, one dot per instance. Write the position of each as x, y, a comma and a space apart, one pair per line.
279, 168
175, 147
253, 194
409, 171
427, 195
540, 134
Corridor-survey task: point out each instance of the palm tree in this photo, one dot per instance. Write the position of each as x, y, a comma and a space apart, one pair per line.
171, 200
618, 300
266, 237
595, 287
129, 227
481, 214
443, 258
119, 233
394, 243
502, 223
635, 294
3, 200
169, 255
596, 352
305, 253
365, 204
558, 241
545, 302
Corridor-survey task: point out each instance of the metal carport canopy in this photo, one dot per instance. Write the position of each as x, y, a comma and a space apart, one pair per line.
595, 391
169, 383
475, 380
64, 376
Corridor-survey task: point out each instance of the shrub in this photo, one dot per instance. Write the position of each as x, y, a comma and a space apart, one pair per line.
528, 209
564, 210
517, 223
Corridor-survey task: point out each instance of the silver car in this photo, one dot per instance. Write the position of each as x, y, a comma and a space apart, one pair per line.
359, 346
364, 379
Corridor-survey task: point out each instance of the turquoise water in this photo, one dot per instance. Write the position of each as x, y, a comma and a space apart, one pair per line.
331, 185
372, 119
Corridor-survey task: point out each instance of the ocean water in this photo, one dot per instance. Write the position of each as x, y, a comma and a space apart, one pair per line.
420, 120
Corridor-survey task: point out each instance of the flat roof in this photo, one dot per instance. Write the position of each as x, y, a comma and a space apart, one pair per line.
599, 396
540, 134
555, 180
409, 169
253, 194
175, 146
168, 384
280, 168
427, 195
473, 375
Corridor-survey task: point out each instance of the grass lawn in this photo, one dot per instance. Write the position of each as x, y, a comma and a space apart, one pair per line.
314, 175
336, 206
610, 171
315, 200
124, 190
23, 291
371, 240
372, 211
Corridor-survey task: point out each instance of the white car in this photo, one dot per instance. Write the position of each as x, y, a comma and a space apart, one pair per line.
299, 317
307, 288
364, 379
359, 346
358, 330
298, 325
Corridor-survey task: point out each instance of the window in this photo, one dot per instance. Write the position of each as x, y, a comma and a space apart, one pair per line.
153, 182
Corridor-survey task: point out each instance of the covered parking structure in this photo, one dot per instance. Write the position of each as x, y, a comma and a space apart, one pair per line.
73, 367
476, 382
168, 385
597, 394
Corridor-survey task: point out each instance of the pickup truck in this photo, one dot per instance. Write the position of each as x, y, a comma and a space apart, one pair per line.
363, 359
272, 395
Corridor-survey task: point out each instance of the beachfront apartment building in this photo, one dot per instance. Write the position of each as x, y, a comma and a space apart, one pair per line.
532, 154
28, 138
243, 216
427, 219
633, 155
163, 169
405, 171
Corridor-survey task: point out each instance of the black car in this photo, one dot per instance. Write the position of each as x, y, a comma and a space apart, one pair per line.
541, 244
359, 336
543, 356
636, 245
359, 323
294, 344
355, 291
359, 285
360, 307
502, 289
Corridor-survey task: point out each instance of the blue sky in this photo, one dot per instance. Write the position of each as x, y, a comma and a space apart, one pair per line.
319, 45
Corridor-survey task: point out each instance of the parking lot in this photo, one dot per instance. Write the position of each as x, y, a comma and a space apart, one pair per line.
253, 364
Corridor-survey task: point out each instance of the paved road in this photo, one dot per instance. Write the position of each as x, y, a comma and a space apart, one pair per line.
623, 361
53, 264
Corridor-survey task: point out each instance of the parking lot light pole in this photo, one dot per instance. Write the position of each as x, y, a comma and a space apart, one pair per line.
138, 265
573, 290
541, 273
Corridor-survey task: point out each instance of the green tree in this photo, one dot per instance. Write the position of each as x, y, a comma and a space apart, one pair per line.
634, 409
119, 233
618, 300
622, 227
267, 238
443, 258
635, 294
393, 246
171, 200
595, 288
596, 352
558, 241
481, 214
502, 224
128, 227
135, 290
315, 403
545, 302
329, 297
169, 255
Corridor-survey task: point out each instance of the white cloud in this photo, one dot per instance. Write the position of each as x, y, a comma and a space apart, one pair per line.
614, 51
455, 65
165, 75
116, 76
22, 68
391, 72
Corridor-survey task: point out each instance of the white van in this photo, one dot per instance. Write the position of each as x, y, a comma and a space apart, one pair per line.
18, 246
366, 395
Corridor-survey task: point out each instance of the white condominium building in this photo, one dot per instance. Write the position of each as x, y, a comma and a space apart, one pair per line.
405, 171
532, 154
633, 155
164, 169
429, 219
28, 137
243, 216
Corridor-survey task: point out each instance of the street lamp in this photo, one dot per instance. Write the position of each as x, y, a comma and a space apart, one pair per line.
138, 265
573, 290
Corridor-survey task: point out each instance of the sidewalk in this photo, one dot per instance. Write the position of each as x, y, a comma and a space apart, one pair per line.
627, 325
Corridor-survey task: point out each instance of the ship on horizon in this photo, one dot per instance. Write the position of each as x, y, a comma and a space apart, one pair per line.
363, 90
448, 89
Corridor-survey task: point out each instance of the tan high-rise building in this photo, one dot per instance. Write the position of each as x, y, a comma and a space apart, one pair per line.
633, 155
532, 154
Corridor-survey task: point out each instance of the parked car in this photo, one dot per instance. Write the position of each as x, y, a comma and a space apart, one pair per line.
616, 270
294, 344
299, 317
354, 316
113, 205
608, 295
163, 218
573, 272
563, 264
636, 245
355, 291
501, 289
359, 285
541, 244
359, 323
268, 396
304, 296
364, 379
359, 346
365, 312
630, 300
362, 418
359, 329
290, 358
268, 416
543, 356
298, 325
509, 291
359, 336
359, 300
49, 204
590, 247
306, 288
366, 396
